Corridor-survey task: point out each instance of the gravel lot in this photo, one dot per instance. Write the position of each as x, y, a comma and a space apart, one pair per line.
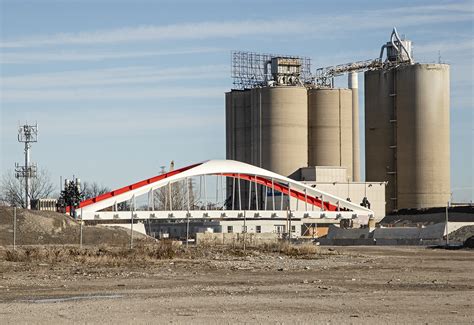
348, 285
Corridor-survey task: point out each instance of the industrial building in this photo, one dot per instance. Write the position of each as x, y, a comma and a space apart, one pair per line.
293, 152
282, 117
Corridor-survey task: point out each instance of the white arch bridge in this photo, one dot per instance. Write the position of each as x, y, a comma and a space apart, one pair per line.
250, 192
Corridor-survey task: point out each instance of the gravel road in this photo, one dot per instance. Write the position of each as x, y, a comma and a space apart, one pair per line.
370, 285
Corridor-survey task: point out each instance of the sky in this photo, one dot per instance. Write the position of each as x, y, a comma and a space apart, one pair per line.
120, 88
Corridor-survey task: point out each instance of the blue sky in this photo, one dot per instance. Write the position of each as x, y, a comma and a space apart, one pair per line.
120, 88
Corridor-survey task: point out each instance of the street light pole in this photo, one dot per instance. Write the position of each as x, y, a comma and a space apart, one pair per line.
447, 230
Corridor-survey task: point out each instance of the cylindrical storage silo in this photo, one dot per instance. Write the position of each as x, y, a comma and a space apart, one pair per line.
407, 134
280, 128
330, 128
238, 142
229, 127
353, 84
423, 149
380, 132
238, 125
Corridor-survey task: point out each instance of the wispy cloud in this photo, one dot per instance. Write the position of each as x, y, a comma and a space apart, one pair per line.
143, 121
127, 83
446, 46
133, 75
403, 16
110, 93
104, 122
22, 57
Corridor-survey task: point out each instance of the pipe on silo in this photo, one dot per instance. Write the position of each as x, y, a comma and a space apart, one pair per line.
354, 86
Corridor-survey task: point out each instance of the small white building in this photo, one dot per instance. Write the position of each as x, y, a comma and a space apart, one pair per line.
334, 180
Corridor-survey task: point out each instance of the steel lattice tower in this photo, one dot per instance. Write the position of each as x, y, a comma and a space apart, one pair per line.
27, 134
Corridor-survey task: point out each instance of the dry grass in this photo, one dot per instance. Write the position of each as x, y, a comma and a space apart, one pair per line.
305, 250
296, 250
94, 255
147, 253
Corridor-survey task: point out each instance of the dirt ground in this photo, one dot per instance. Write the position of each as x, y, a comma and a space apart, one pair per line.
351, 285
48, 227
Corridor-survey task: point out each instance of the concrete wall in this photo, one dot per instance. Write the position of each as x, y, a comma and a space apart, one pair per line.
137, 227
178, 229
338, 233
323, 174
429, 235
266, 226
235, 239
375, 192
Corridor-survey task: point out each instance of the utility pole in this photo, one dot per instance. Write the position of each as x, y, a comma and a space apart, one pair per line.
27, 134
132, 208
80, 234
14, 228
447, 230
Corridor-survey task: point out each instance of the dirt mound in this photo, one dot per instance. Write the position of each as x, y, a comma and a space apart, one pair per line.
461, 234
427, 218
47, 227
469, 243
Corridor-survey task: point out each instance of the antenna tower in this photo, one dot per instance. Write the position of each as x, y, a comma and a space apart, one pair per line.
27, 134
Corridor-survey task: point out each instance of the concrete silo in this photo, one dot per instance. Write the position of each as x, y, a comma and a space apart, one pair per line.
330, 128
238, 125
280, 128
407, 131
380, 132
423, 155
267, 118
238, 136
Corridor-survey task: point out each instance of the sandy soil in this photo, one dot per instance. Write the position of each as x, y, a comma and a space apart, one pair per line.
362, 285
48, 227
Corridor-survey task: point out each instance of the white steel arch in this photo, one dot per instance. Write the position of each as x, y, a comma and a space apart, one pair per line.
227, 168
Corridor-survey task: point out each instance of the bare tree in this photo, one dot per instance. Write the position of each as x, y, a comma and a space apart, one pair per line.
12, 190
175, 196
90, 190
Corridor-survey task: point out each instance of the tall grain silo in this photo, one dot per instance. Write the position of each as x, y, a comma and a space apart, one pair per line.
238, 125
267, 116
280, 128
407, 129
423, 155
330, 128
380, 132
238, 135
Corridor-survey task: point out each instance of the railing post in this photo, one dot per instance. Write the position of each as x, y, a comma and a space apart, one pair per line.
240, 194
187, 214
233, 193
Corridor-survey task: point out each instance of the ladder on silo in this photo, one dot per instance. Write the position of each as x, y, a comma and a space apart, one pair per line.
394, 124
